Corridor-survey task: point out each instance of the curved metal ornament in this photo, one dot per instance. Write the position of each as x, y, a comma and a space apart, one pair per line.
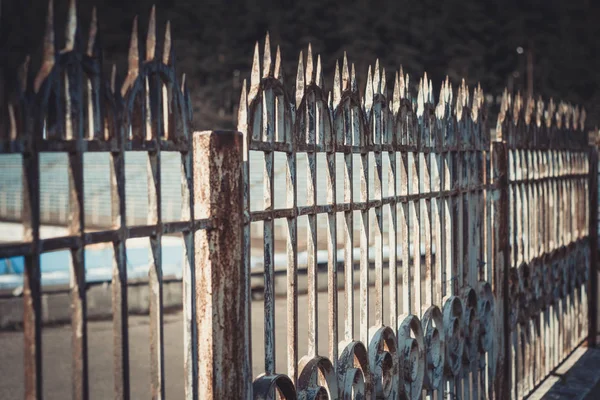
453, 330
471, 326
354, 374
317, 379
412, 356
383, 360
266, 386
485, 311
433, 330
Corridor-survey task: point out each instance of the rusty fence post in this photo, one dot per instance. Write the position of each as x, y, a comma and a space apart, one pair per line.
501, 248
221, 282
593, 225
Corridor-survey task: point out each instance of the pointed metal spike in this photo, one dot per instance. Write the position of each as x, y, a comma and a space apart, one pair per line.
440, 108
401, 72
431, 94
132, 59
255, 75
368, 99
401, 85
300, 81
407, 86
337, 85
243, 109
113, 78
267, 57
167, 44
318, 73
345, 74
309, 66
49, 51
93, 33
133, 56
151, 37
183, 82
421, 98
383, 89
278, 67
353, 82
376, 77
71, 28
396, 95
425, 87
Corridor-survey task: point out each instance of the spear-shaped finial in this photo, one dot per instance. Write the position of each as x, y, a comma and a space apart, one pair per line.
345, 73
133, 59
71, 28
353, 82
93, 33
319, 73
151, 37
396, 95
300, 81
255, 75
420, 99
337, 86
243, 110
48, 55
167, 44
376, 78
369, 92
278, 67
309, 66
267, 57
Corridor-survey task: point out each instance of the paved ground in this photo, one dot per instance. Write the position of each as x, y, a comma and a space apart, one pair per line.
57, 351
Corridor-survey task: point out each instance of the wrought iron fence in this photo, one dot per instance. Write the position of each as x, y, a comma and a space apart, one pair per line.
488, 281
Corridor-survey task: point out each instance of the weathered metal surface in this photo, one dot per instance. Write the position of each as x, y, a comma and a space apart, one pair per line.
489, 247
223, 368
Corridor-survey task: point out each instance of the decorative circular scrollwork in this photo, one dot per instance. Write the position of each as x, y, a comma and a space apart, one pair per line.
383, 360
471, 326
412, 356
433, 322
485, 311
354, 374
317, 379
266, 386
453, 333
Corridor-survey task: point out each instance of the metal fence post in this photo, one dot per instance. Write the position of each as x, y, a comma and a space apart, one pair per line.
501, 248
593, 196
221, 296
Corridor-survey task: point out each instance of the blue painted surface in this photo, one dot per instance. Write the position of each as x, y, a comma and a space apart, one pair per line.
98, 263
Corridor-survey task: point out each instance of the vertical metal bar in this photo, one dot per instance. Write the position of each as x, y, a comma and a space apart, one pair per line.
348, 228
501, 266
332, 285
73, 123
32, 295
267, 136
593, 238
223, 365
119, 268
377, 126
292, 264
364, 244
155, 273
393, 239
311, 247
245, 209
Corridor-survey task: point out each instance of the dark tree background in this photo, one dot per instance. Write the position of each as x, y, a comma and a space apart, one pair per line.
214, 41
